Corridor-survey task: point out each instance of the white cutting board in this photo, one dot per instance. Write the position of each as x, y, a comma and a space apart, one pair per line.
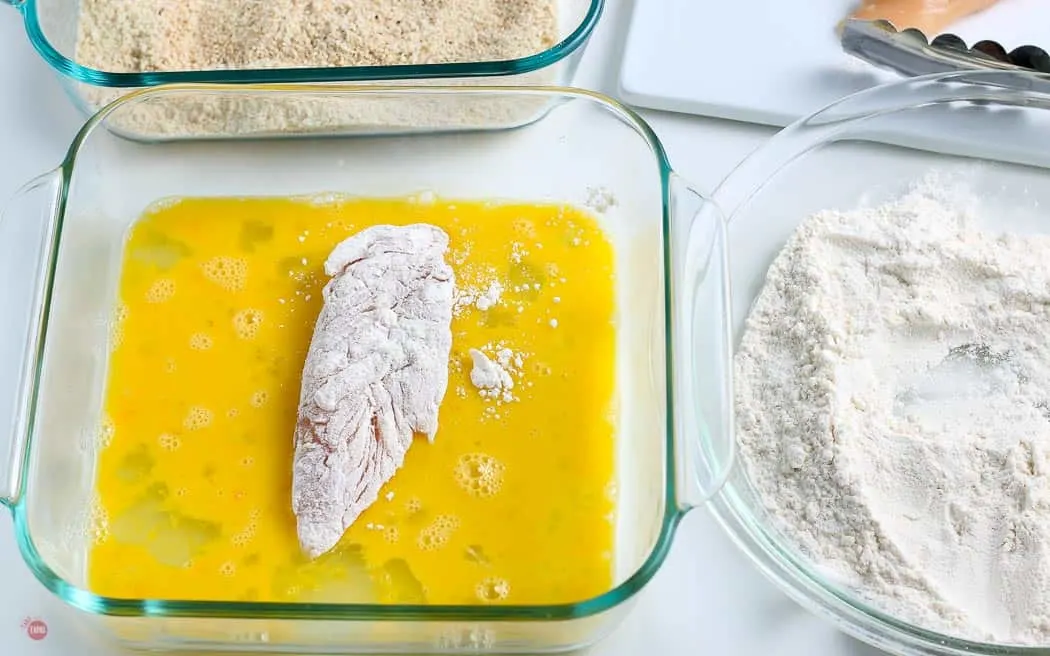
772, 61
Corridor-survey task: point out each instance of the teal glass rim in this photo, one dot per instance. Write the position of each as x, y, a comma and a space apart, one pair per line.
675, 506
570, 44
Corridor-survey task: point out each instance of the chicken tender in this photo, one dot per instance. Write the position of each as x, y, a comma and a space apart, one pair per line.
375, 374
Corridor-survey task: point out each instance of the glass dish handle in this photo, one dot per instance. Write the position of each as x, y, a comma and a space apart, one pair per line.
26, 227
701, 357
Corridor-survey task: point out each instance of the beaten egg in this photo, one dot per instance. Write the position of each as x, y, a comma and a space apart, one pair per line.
513, 502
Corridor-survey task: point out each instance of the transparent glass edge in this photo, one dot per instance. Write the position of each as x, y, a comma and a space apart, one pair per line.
13, 483
701, 261
85, 600
100, 605
747, 178
566, 47
795, 577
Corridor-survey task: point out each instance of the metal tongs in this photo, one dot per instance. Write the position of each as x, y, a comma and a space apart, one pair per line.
910, 53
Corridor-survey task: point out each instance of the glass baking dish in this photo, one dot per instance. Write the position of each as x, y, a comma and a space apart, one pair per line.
63, 236
51, 26
839, 158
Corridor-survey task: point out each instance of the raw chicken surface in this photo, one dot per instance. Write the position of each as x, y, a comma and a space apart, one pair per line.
931, 17
375, 374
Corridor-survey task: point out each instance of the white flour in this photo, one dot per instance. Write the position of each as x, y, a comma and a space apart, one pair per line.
483, 299
494, 376
892, 392
491, 379
490, 297
497, 372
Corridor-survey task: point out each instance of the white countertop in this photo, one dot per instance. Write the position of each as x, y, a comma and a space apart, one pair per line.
706, 598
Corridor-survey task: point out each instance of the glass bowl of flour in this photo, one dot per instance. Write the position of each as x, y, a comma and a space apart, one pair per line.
885, 287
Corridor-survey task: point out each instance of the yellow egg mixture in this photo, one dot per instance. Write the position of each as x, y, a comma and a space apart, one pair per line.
512, 503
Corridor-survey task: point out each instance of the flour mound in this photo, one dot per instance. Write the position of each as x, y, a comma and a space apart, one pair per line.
488, 375
892, 404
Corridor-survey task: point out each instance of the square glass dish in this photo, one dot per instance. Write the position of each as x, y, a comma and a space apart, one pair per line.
52, 28
64, 236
